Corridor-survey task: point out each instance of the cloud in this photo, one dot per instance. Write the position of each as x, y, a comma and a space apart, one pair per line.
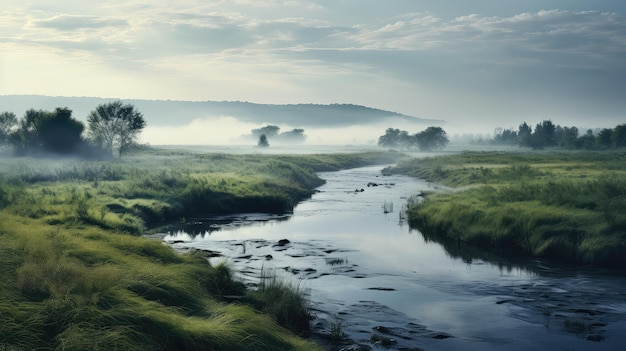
78, 22
480, 64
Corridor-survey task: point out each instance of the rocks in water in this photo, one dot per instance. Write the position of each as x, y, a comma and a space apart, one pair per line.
206, 253
356, 347
280, 246
595, 337
500, 302
382, 329
378, 339
269, 257
440, 336
382, 289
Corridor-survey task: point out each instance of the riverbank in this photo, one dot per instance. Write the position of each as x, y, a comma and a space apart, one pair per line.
76, 274
561, 206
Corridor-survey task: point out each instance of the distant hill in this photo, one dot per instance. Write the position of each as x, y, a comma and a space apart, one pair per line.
172, 113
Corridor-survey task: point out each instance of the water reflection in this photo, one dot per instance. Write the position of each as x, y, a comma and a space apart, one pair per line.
199, 228
484, 300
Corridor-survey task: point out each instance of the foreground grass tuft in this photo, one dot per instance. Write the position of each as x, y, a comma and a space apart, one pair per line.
286, 302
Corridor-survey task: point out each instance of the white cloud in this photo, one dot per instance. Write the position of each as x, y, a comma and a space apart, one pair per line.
477, 63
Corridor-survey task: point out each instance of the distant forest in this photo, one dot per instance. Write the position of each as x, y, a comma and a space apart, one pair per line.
547, 134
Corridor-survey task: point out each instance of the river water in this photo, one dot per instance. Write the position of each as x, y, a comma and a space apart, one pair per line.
389, 288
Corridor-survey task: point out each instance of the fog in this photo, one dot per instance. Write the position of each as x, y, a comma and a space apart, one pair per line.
228, 130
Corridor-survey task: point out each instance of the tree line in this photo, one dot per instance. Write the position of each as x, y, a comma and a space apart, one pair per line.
430, 139
264, 134
547, 134
112, 128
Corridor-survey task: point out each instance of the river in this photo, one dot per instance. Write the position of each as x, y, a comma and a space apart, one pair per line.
390, 289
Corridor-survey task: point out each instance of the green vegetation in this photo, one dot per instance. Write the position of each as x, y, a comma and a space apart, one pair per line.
115, 126
76, 275
42, 133
546, 135
569, 207
432, 138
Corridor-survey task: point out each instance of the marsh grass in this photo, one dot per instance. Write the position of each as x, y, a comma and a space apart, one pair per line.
287, 302
77, 276
565, 207
337, 331
77, 289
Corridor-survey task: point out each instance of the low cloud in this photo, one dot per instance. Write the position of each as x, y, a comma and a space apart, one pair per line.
226, 130
74, 22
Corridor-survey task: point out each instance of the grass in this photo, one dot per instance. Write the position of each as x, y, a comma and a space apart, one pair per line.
337, 331
284, 301
77, 275
566, 207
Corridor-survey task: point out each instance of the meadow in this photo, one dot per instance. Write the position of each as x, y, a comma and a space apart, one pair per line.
77, 273
568, 207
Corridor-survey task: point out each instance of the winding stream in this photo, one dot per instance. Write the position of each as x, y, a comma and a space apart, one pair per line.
390, 289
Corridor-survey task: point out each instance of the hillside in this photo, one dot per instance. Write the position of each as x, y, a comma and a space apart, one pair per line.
171, 113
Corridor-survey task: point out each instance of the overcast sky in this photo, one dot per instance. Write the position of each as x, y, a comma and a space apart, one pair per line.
473, 63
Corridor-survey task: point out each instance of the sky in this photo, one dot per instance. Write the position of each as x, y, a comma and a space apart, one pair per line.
477, 64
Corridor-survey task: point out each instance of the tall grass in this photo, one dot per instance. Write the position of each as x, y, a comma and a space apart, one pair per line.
570, 209
76, 276
77, 289
287, 302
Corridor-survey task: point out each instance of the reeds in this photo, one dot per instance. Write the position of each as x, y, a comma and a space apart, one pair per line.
285, 301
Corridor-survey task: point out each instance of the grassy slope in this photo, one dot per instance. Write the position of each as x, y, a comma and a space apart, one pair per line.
74, 279
568, 207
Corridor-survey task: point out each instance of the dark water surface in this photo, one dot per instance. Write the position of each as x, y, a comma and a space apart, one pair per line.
390, 289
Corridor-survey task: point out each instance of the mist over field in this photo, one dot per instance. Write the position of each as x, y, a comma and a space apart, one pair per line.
221, 123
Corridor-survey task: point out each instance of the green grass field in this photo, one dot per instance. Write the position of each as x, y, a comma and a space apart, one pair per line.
77, 275
568, 207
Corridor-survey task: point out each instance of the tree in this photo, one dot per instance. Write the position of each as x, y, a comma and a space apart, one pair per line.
569, 138
433, 138
544, 135
269, 131
263, 141
114, 125
8, 121
61, 133
44, 131
587, 141
604, 138
619, 136
524, 135
295, 135
505, 136
390, 139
